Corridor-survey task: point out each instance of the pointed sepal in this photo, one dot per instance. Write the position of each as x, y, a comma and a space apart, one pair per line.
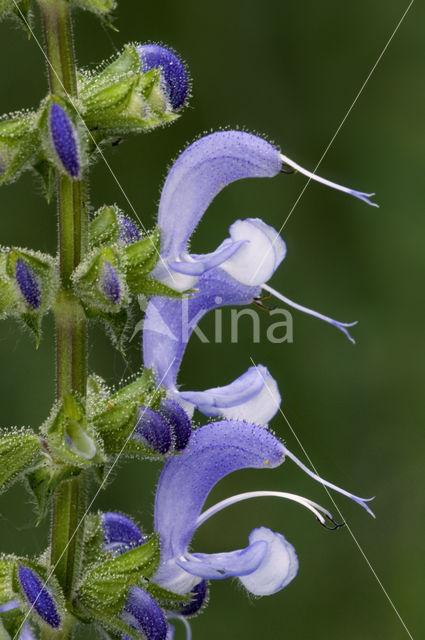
105, 587
19, 145
111, 226
69, 437
114, 416
18, 452
99, 282
44, 480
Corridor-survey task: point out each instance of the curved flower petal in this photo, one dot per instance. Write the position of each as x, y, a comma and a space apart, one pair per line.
261, 252
119, 532
278, 567
254, 397
214, 451
143, 614
200, 173
217, 566
196, 264
169, 323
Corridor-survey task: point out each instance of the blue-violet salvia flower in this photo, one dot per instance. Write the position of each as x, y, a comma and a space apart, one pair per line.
168, 324
128, 232
269, 562
173, 72
109, 282
39, 596
25, 632
64, 139
142, 613
254, 249
119, 533
28, 284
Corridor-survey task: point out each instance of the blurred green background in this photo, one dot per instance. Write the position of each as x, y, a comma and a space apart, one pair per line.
289, 71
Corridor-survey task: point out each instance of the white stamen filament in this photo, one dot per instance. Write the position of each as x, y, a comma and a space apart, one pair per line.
186, 624
342, 326
305, 502
352, 192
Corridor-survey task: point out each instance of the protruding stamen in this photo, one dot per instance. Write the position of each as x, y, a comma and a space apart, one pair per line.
342, 326
352, 192
305, 502
360, 501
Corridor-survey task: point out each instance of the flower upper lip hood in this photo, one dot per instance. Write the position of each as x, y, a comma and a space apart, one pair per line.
196, 177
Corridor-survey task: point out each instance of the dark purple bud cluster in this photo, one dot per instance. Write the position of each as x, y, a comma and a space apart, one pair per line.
39, 596
163, 430
128, 232
198, 597
28, 284
64, 139
110, 284
120, 533
142, 613
173, 71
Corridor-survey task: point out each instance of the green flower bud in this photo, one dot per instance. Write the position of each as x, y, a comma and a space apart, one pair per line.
18, 451
99, 282
19, 143
114, 416
69, 438
105, 587
123, 99
111, 226
101, 7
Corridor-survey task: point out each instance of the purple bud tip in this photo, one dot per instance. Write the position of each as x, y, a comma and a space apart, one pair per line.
153, 430
198, 596
120, 533
173, 71
143, 614
39, 596
178, 421
129, 233
64, 140
110, 283
28, 284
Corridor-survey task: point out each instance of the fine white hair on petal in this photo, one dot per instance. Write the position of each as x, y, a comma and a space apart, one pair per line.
258, 258
278, 568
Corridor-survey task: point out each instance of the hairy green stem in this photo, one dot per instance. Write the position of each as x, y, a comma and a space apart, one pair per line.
71, 326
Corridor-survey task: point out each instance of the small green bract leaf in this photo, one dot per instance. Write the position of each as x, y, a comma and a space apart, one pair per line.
105, 587
18, 452
44, 480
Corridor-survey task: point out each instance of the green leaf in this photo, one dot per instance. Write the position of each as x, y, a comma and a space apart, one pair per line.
106, 586
11, 623
167, 599
101, 7
104, 228
48, 175
18, 451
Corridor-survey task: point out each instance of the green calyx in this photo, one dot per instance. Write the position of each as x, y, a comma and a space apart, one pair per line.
122, 99
28, 286
7, 565
19, 144
18, 452
114, 416
104, 228
105, 586
99, 281
101, 7
69, 437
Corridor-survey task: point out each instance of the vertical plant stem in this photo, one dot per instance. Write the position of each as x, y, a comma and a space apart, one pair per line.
71, 326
